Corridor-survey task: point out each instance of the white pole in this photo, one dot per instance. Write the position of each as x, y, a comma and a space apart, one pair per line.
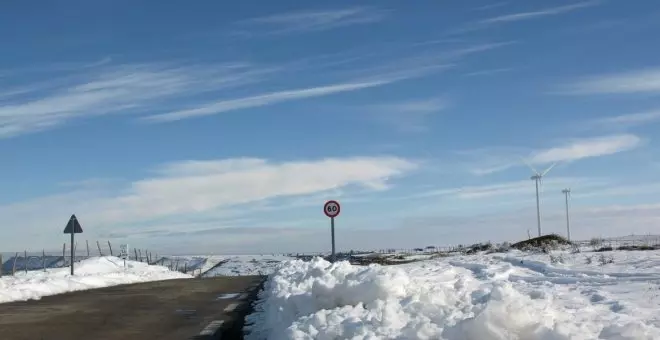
538, 209
568, 223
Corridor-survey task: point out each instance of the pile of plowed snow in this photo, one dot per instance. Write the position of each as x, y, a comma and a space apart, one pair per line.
463, 298
91, 273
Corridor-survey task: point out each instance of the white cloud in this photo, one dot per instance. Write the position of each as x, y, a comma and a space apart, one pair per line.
628, 120
195, 189
587, 148
409, 115
138, 89
490, 160
488, 72
265, 99
619, 190
522, 16
540, 13
308, 21
512, 188
374, 79
128, 88
639, 81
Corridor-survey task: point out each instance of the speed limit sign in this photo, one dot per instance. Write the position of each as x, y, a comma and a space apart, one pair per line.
331, 209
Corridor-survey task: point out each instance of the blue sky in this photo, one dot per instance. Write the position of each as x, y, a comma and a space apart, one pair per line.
217, 127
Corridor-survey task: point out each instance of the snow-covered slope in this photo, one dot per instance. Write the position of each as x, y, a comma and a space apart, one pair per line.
240, 265
91, 273
500, 296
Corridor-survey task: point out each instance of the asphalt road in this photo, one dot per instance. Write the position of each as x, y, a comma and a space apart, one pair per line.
172, 309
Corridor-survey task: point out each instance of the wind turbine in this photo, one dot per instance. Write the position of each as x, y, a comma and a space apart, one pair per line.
537, 178
567, 193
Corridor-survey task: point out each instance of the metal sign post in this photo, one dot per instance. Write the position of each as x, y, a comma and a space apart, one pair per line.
332, 209
123, 253
73, 227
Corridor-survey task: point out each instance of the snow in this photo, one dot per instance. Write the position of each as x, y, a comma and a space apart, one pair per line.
240, 265
504, 296
91, 273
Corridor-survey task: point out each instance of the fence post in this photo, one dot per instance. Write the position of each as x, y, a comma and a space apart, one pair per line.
87, 242
98, 245
135, 251
25, 260
177, 265
185, 267
64, 255
43, 259
110, 246
140, 252
13, 270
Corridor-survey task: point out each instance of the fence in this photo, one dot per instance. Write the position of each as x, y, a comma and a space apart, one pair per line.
188, 265
42, 260
626, 241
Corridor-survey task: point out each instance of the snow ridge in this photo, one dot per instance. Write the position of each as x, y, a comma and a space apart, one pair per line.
91, 273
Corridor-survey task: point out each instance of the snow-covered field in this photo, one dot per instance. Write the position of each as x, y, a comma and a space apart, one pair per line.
240, 265
91, 273
481, 297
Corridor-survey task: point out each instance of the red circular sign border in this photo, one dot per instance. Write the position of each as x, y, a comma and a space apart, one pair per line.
338, 208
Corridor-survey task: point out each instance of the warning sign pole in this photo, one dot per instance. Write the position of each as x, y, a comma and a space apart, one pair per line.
72, 252
73, 227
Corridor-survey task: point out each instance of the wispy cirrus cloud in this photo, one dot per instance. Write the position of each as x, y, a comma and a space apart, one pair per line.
117, 89
587, 148
145, 89
265, 99
550, 11
523, 16
407, 115
619, 190
309, 21
376, 79
572, 150
631, 82
509, 188
628, 120
488, 72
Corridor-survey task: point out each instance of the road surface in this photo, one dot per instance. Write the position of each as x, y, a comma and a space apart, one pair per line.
172, 309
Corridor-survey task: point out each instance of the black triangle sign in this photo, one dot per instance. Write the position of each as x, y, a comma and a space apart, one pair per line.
73, 226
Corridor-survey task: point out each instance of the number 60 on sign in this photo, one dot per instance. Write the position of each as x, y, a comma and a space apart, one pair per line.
331, 209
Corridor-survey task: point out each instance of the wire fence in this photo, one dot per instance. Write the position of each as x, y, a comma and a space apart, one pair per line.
650, 241
12, 263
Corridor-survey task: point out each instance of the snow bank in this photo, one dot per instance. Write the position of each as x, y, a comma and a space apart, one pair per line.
91, 273
465, 298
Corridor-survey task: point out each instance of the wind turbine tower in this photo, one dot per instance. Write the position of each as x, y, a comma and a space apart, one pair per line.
567, 193
537, 178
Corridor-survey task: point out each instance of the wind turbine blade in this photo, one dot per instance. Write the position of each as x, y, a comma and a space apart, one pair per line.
529, 165
548, 169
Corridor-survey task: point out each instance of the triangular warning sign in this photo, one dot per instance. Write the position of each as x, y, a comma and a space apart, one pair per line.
73, 226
